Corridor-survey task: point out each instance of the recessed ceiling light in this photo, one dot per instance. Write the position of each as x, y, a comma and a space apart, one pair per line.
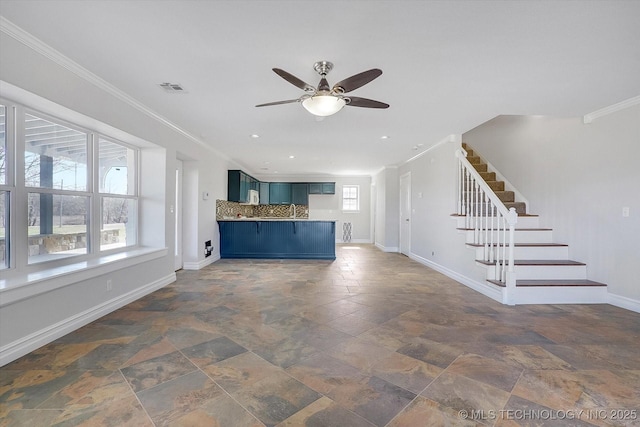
384, 137
292, 157
255, 136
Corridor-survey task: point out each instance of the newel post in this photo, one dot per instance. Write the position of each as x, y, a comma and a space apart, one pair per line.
512, 220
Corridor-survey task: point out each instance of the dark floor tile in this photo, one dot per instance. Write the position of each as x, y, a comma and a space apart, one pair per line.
323, 337
431, 352
28, 389
406, 372
176, 398
374, 399
213, 351
489, 371
275, 398
240, 371
325, 413
463, 394
286, 352
427, 413
519, 411
152, 372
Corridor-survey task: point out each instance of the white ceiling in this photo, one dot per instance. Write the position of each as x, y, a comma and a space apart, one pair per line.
448, 67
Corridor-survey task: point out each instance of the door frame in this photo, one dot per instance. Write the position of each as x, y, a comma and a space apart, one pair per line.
178, 261
405, 197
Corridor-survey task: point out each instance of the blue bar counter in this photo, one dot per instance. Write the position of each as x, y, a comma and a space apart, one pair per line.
277, 238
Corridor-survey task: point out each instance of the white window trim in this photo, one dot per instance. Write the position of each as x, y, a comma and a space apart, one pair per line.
348, 211
23, 279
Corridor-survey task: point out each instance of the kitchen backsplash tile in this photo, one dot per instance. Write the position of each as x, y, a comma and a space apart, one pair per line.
228, 210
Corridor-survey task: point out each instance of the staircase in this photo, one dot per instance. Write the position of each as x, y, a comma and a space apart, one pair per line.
543, 272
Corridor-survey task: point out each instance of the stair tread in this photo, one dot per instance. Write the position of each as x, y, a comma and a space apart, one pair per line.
545, 262
516, 229
550, 282
519, 215
537, 245
558, 282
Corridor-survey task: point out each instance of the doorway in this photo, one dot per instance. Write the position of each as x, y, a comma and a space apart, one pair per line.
405, 214
178, 262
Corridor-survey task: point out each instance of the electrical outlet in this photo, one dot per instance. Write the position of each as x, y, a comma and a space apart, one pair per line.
109, 285
625, 212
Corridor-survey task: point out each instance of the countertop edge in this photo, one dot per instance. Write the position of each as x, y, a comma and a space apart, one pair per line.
276, 220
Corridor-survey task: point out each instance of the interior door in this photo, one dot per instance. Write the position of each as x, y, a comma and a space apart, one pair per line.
177, 265
405, 214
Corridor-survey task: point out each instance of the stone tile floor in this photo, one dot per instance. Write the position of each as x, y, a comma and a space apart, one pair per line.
372, 339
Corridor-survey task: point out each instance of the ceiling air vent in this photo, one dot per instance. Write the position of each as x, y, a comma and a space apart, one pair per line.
172, 88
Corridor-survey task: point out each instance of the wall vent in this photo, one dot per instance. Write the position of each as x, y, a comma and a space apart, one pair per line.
172, 88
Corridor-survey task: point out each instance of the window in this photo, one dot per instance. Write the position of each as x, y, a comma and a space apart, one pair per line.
116, 174
4, 191
350, 198
4, 225
76, 193
55, 169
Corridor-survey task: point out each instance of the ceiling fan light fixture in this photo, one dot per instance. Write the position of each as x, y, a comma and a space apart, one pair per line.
323, 105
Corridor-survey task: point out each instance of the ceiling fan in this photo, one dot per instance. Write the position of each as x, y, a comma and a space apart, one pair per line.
325, 100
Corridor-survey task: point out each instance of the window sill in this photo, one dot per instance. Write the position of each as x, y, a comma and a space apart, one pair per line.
351, 212
28, 285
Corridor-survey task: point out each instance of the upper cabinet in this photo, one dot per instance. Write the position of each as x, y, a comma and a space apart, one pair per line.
239, 184
279, 193
322, 188
300, 193
264, 193
274, 193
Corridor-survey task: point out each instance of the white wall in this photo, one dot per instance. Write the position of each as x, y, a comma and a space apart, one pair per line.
577, 177
434, 238
72, 94
387, 216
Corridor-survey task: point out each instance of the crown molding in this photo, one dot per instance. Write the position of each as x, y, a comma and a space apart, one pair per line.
37, 45
588, 118
455, 138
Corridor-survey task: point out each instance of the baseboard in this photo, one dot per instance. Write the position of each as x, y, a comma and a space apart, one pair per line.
387, 248
25, 345
201, 264
354, 241
484, 288
623, 302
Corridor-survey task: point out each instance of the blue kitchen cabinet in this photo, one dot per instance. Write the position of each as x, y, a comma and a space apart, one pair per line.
264, 193
280, 193
300, 193
328, 188
322, 188
282, 239
239, 184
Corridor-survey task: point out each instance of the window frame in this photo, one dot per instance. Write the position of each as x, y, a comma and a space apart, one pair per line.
18, 261
356, 198
9, 185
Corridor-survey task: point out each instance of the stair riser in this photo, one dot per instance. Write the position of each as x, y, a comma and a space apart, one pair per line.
561, 295
537, 272
550, 272
523, 222
547, 252
520, 236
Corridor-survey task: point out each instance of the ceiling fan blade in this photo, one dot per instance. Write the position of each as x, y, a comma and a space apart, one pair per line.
289, 101
356, 81
366, 103
294, 80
